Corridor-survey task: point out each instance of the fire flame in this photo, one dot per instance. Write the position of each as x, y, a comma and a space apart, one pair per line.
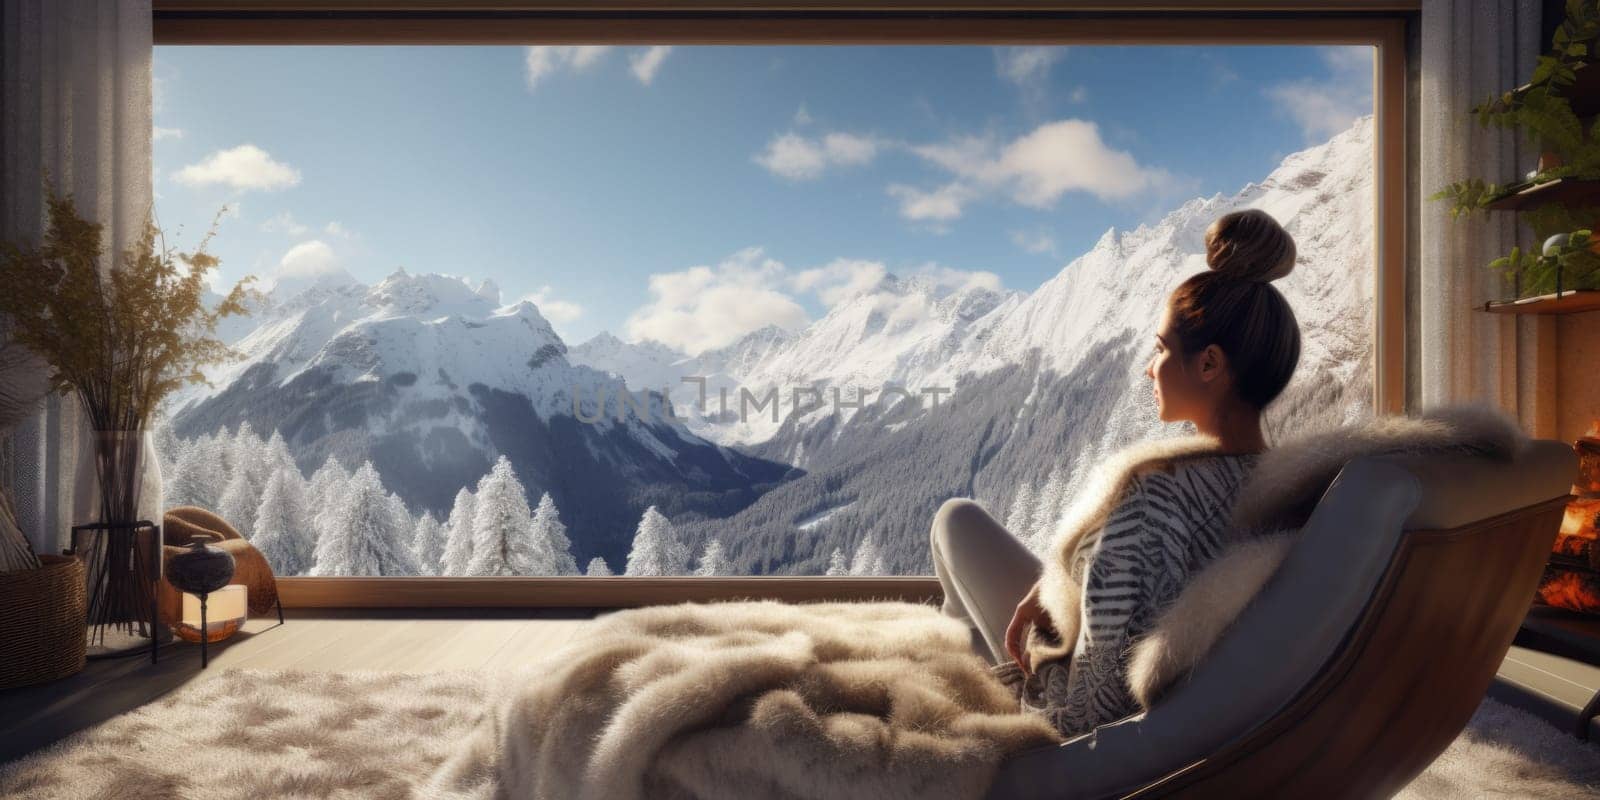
1569, 590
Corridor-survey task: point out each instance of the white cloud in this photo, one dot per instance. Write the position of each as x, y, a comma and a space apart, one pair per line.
334, 228
849, 148
1079, 94
558, 312
308, 259
840, 279
1033, 170
797, 157
1328, 106
802, 116
1036, 242
705, 307
1069, 155
645, 63
158, 133
284, 222
952, 278
1027, 65
243, 167
543, 61
938, 205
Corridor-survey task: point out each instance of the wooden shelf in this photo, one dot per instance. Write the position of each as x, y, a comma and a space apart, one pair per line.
1561, 190
1571, 301
1584, 93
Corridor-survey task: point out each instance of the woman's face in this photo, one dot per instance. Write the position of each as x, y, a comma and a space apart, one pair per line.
1185, 385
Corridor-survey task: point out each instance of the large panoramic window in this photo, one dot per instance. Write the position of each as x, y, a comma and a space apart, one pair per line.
723, 310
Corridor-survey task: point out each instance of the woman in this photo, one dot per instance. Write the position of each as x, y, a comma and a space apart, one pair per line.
1226, 346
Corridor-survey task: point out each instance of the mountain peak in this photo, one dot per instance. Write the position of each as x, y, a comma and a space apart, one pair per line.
601, 339
490, 291
405, 293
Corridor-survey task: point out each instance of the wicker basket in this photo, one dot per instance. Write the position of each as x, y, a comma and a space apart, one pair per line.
43, 614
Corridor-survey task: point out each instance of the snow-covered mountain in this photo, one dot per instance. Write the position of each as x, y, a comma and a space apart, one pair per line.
899, 332
913, 332
431, 379
1047, 383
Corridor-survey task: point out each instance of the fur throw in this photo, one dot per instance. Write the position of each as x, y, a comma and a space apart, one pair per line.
752, 699
1273, 503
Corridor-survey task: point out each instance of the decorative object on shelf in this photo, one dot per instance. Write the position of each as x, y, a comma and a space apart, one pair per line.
198, 571
120, 332
42, 612
1572, 578
1560, 200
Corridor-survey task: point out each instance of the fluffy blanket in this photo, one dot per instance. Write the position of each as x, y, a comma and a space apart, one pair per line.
1273, 503
752, 699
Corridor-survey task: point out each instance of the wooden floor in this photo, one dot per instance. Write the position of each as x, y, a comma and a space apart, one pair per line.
408, 641
412, 640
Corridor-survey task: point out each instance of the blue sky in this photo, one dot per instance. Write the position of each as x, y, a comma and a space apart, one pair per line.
689, 194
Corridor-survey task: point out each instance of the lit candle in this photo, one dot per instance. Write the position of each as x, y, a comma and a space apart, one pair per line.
226, 610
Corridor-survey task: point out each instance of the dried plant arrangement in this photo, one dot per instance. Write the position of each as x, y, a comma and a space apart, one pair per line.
120, 338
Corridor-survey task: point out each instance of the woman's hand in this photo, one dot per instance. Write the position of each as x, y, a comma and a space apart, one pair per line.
1028, 612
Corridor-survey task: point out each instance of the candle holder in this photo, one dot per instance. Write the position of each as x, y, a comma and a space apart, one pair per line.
199, 571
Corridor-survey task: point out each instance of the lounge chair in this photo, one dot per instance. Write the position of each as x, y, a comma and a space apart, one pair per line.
1363, 657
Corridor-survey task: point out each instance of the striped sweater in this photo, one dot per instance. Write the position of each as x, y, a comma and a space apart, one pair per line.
1165, 526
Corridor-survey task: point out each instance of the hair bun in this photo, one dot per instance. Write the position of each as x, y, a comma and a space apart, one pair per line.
1250, 245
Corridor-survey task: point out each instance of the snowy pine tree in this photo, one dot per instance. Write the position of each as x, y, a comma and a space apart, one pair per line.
458, 534
598, 568
502, 529
677, 556
362, 533
275, 455
248, 452
428, 545
550, 537
867, 560
283, 531
198, 478
656, 550
327, 484
712, 561
836, 564
240, 501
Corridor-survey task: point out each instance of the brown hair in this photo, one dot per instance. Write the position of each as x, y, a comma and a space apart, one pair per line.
1235, 307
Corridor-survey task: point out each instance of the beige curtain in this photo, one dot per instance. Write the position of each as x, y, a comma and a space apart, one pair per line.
74, 104
1472, 49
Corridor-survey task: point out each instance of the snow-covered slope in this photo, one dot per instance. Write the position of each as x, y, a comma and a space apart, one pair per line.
433, 379
1051, 381
915, 333
899, 332
646, 364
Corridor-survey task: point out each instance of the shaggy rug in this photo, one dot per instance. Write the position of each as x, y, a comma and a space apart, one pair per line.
242, 735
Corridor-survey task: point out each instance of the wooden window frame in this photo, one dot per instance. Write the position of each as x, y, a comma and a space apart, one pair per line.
1381, 24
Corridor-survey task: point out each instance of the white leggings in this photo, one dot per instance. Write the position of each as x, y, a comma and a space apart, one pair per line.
983, 569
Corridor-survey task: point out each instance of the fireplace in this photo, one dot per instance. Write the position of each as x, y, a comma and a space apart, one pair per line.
1572, 578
